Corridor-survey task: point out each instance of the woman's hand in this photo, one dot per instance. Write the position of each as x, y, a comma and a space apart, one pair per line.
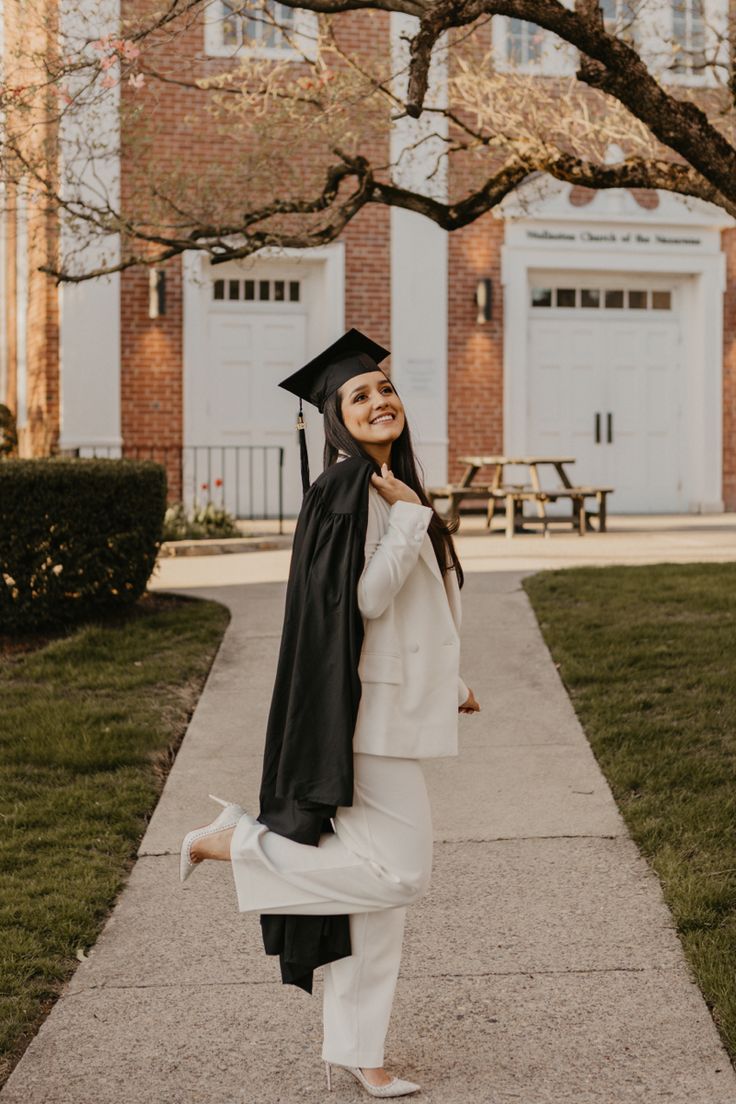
392, 489
470, 705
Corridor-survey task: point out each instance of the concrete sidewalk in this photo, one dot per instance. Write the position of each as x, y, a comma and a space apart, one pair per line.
688, 538
541, 968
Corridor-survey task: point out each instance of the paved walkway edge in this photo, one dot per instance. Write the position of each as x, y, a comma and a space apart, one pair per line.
541, 968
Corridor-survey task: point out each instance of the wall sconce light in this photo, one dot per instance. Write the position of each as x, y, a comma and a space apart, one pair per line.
156, 292
484, 300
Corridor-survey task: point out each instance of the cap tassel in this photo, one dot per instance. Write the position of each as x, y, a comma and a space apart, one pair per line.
303, 454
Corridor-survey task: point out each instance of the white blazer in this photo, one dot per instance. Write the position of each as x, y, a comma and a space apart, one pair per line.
409, 663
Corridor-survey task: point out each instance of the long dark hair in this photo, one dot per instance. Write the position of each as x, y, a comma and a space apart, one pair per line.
405, 467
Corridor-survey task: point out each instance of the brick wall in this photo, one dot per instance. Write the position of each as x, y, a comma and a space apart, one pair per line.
368, 274
475, 350
151, 370
368, 237
176, 129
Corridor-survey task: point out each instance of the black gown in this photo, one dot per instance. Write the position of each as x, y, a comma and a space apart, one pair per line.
308, 757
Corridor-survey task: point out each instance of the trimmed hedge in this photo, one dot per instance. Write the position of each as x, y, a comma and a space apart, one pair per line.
78, 538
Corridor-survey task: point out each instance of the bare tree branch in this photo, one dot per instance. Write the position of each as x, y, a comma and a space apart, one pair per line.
308, 134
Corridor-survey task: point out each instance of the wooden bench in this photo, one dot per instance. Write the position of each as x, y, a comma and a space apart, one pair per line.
577, 495
455, 493
514, 495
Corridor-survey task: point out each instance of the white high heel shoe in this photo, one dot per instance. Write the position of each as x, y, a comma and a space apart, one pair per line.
395, 1087
228, 818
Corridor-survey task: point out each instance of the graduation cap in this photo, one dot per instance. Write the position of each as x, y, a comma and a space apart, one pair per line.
351, 355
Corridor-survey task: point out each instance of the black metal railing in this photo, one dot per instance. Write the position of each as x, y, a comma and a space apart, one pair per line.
247, 480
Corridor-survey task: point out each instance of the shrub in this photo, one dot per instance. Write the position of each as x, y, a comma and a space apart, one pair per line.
78, 538
201, 522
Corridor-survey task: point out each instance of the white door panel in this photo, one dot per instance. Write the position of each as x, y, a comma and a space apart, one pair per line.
248, 353
624, 366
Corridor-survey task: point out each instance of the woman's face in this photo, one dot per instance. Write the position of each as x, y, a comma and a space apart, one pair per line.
371, 409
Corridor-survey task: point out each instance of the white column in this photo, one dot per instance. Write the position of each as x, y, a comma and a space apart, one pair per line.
704, 481
419, 278
3, 242
3, 297
89, 312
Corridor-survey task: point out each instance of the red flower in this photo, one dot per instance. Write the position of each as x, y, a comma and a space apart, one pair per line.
204, 486
218, 482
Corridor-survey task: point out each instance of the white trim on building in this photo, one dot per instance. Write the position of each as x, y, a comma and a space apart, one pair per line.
89, 312
419, 270
648, 26
692, 34
3, 241
318, 316
526, 48
3, 297
613, 234
654, 32
227, 27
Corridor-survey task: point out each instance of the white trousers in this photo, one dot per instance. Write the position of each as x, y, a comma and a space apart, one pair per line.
378, 861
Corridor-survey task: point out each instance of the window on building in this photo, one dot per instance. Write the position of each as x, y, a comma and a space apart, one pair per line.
529, 48
264, 291
260, 26
254, 25
688, 36
620, 19
524, 42
588, 298
541, 297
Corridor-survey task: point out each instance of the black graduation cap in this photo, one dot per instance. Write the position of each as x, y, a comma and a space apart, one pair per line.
351, 355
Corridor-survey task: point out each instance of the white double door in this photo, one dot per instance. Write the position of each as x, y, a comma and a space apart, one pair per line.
254, 335
606, 391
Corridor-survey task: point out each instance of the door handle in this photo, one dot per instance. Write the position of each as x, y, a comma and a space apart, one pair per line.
609, 428
597, 429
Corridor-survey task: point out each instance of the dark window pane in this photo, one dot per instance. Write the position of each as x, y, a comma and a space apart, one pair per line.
278, 290
638, 300
294, 291
264, 289
566, 297
661, 300
250, 289
233, 289
219, 289
541, 297
590, 297
614, 299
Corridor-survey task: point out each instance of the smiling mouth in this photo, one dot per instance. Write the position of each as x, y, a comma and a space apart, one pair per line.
382, 418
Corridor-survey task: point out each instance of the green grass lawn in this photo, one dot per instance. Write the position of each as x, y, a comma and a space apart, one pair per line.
648, 655
89, 725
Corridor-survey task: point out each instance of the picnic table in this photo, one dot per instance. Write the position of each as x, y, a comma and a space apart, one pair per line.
514, 495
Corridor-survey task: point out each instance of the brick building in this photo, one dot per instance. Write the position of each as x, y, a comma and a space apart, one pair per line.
609, 336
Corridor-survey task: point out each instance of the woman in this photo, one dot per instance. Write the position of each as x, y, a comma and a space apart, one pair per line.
377, 860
